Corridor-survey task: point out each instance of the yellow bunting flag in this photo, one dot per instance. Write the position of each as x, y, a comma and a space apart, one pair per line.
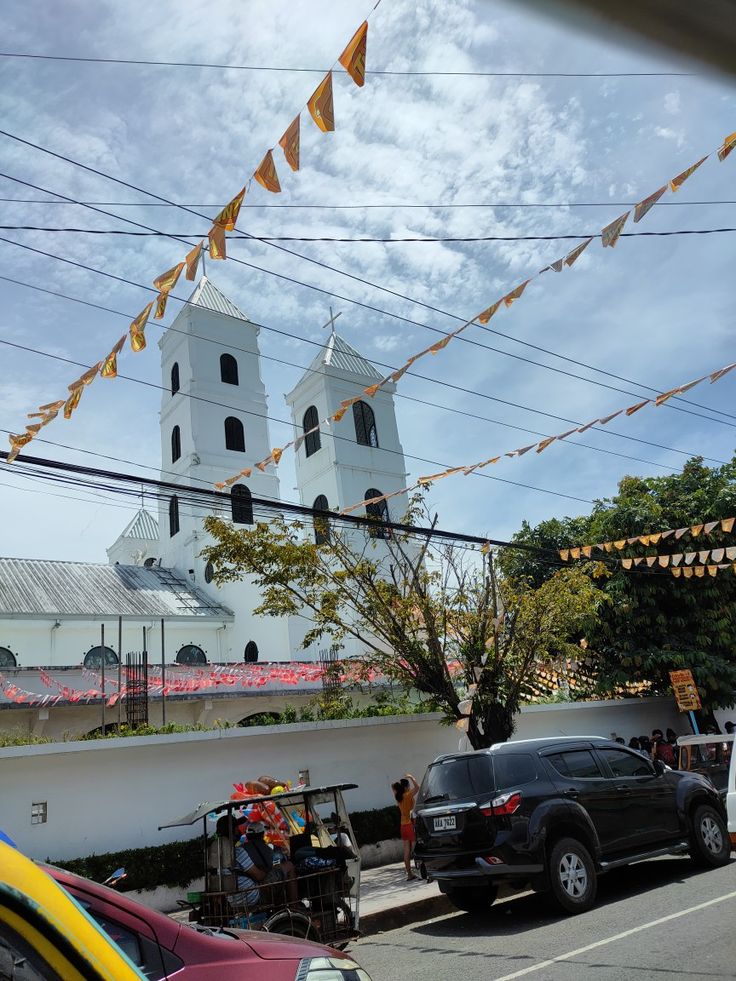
627, 563
72, 402
574, 553
216, 236
573, 256
276, 453
564, 554
19, 440
161, 300
728, 144
320, 105
228, 217
87, 378
515, 293
677, 182
109, 367
337, 416
168, 280
608, 546
712, 570
353, 57
484, 317
699, 571
643, 206
695, 530
644, 539
587, 551
687, 573
620, 544
727, 524
138, 328
266, 174
611, 233
289, 143
676, 573
192, 261
635, 408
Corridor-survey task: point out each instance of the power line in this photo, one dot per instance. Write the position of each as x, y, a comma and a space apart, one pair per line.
323, 71
347, 239
341, 272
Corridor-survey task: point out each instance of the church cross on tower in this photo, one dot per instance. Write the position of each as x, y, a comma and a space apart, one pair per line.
331, 322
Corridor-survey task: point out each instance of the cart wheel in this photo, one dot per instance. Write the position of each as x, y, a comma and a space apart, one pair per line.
291, 924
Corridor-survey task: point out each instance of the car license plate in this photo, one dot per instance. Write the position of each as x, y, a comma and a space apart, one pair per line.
446, 823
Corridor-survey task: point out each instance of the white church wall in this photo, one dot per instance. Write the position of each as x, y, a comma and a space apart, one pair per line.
146, 781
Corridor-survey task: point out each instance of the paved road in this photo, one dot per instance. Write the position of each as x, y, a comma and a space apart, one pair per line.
656, 920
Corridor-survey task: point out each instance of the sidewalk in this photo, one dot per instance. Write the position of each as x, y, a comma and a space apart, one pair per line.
387, 900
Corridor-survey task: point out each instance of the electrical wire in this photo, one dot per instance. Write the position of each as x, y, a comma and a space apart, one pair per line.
323, 71
319, 263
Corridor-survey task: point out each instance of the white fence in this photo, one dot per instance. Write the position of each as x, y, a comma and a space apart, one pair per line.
110, 794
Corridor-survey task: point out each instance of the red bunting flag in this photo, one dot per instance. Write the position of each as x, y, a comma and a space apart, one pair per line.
353, 57
266, 174
320, 105
289, 143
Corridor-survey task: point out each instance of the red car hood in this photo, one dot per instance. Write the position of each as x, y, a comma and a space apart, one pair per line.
274, 946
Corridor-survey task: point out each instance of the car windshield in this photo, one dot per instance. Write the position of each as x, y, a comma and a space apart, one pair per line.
455, 778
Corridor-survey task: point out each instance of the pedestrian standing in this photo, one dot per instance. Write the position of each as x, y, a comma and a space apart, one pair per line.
405, 791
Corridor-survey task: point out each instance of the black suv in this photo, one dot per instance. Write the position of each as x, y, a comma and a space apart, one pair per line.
555, 813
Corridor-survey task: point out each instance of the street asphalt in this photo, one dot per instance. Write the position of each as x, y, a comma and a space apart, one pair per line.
652, 920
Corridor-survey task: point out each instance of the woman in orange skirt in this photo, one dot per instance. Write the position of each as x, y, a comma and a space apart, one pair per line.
405, 794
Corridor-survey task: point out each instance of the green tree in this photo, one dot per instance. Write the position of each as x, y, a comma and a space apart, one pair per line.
655, 623
436, 619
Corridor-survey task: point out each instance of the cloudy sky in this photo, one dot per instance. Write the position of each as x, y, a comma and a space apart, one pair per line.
653, 312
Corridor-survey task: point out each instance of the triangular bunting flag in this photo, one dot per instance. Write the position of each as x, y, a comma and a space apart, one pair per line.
545, 443
109, 367
192, 261
695, 530
676, 573
320, 105
677, 182
161, 301
216, 236
228, 217
728, 144
137, 329
717, 375
635, 408
564, 554
704, 555
484, 317
515, 293
436, 348
266, 174
556, 266
687, 573
72, 402
650, 560
587, 551
717, 554
712, 570
643, 206
353, 57
573, 256
653, 539
676, 559
690, 557
627, 563
727, 524
289, 143
606, 419
709, 526
168, 280
611, 233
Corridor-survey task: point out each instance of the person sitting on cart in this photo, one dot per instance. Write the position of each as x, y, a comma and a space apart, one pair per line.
254, 866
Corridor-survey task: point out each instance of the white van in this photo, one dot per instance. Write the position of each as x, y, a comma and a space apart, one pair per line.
714, 757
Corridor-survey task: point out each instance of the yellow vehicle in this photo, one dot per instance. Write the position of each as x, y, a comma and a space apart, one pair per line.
45, 935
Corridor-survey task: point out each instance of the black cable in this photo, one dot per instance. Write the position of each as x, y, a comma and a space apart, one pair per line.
317, 262
385, 241
382, 364
323, 71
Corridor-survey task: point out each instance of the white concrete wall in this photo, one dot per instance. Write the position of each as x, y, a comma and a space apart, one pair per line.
104, 796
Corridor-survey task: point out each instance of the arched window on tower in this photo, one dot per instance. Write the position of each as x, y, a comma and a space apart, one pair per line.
365, 424
379, 513
250, 655
234, 435
241, 504
7, 658
175, 378
175, 444
312, 442
173, 515
228, 369
321, 525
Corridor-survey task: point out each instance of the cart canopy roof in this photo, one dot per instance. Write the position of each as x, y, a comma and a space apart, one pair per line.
287, 797
702, 739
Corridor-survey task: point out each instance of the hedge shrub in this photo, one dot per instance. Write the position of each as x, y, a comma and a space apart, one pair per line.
180, 862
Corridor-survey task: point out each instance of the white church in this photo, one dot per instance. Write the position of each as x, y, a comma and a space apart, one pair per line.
213, 423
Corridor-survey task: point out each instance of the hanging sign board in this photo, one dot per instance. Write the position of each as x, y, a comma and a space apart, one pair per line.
685, 691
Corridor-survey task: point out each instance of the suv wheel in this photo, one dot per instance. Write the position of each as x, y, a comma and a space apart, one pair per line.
709, 842
572, 876
471, 899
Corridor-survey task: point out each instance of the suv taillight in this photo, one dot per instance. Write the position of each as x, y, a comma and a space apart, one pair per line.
505, 804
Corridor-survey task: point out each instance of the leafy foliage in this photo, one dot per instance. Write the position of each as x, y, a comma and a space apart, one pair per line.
654, 622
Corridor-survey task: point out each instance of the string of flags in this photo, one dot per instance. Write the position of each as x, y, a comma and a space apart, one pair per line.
725, 525
609, 236
320, 106
543, 444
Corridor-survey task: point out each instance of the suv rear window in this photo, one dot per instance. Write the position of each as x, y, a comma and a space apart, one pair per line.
453, 779
513, 770
577, 764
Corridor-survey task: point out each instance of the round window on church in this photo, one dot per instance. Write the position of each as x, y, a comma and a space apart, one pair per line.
191, 654
7, 658
209, 572
93, 657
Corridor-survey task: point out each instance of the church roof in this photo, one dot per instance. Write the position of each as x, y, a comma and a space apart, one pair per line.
337, 353
42, 587
207, 295
143, 526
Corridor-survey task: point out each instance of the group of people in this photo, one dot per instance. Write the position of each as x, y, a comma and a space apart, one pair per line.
659, 746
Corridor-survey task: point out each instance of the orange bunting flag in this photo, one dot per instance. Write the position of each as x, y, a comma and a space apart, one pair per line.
137, 329
677, 182
337, 416
266, 174
587, 551
699, 571
627, 563
665, 396
664, 561
728, 144
436, 348
353, 57
611, 233
635, 408
712, 570
276, 453
168, 280
161, 300
575, 553
695, 530
687, 573
320, 105
676, 573
564, 554
289, 143
643, 206
727, 524
228, 217
192, 260
484, 317
573, 256
87, 378
717, 375
109, 367
545, 443
72, 402
516, 293
20, 440
620, 544
216, 236
372, 389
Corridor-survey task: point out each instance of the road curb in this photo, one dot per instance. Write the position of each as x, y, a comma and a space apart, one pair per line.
399, 916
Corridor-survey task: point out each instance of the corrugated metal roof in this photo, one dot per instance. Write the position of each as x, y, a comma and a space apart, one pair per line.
337, 353
42, 587
207, 295
143, 526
